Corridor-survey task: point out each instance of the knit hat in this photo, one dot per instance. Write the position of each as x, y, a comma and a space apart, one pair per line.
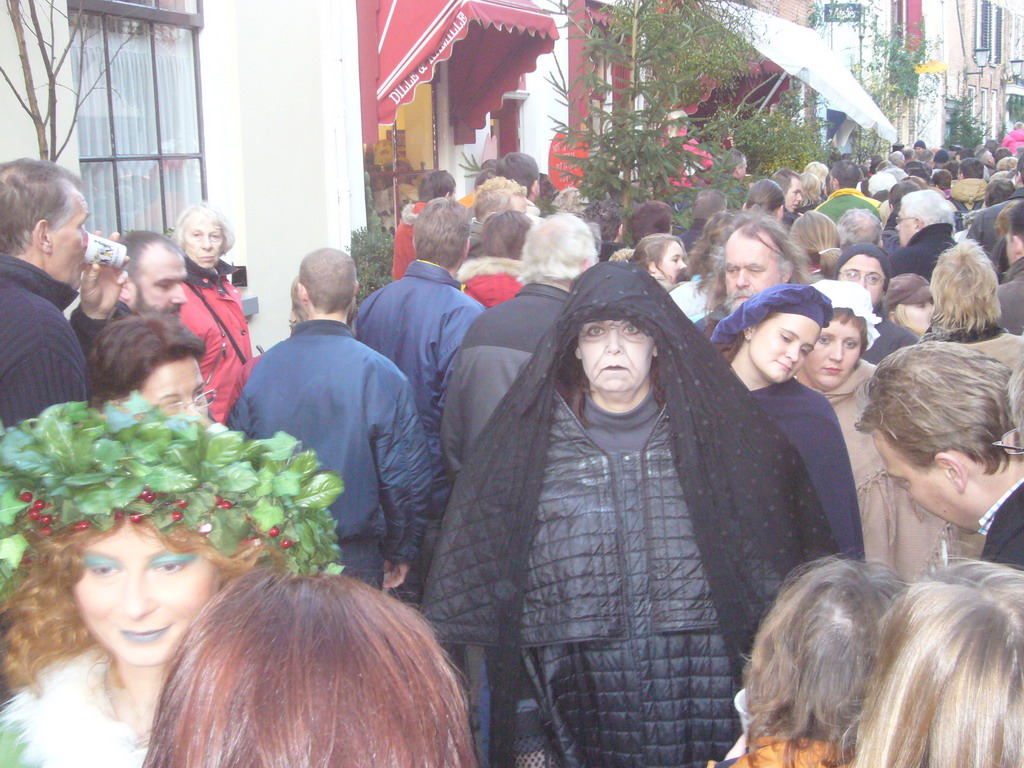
786, 298
919, 144
941, 156
854, 297
867, 249
909, 288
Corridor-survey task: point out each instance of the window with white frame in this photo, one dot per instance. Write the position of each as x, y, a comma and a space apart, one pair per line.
140, 132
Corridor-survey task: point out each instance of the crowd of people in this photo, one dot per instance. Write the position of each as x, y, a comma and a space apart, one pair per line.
747, 490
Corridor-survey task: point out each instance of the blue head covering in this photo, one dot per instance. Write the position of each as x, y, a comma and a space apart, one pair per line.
786, 297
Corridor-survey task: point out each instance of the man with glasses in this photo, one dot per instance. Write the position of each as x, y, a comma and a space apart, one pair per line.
868, 265
939, 417
925, 226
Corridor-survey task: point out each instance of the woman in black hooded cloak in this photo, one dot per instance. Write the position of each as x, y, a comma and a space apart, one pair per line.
616, 566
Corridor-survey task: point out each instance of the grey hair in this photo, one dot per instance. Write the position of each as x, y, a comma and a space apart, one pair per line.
859, 225
211, 213
928, 205
556, 247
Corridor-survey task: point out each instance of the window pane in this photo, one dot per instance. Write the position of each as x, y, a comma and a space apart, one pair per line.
182, 187
139, 184
98, 184
182, 6
131, 81
176, 85
88, 69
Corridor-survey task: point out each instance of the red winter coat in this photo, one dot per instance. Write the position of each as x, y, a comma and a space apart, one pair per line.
405, 251
221, 366
491, 280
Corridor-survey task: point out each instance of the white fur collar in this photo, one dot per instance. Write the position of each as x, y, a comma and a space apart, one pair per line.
69, 725
483, 266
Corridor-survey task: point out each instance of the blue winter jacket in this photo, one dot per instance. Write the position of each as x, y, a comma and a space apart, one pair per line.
356, 409
418, 323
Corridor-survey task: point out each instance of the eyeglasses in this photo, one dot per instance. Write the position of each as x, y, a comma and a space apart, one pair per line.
1011, 443
199, 402
856, 276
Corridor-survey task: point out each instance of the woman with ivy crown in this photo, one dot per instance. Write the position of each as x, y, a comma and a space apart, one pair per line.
116, 528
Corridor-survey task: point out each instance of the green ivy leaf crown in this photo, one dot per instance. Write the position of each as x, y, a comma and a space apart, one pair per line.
78, 468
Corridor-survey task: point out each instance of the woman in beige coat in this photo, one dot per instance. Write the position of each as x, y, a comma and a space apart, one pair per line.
896, 531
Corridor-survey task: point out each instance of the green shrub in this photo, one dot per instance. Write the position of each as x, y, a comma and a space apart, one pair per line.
373, 251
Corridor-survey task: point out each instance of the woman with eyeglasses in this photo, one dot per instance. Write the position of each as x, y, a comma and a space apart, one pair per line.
868, 265
214, 307
154, 355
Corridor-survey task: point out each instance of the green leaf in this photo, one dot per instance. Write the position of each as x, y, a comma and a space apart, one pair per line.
320, 490
237, 478
10, 506
225, 448
12, 549
266, 515
305, 464
286, 484
97, 501
168, 479
280, 447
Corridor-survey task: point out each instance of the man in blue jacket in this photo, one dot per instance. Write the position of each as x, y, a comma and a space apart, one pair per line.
418, 323
356, 409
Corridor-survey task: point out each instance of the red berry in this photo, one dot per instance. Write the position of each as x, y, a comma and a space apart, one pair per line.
286, 544
38, 504
45, 519
218, 499
176, 516
25, 496
225, 504
83, 525
181, 504
119, 515
33, 514
275, 531
46, 531
136, 518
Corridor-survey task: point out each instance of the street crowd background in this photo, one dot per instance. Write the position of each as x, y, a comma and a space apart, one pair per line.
745, 489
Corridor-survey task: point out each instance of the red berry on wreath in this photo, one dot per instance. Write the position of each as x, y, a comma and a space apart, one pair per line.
176, 516
83, 525
225, 504
46, 531
33, 514
38, 504
275, 531
45, 519
286, 544
136, 518
181, 504
25, 496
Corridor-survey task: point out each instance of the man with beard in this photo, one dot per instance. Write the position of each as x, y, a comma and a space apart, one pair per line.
757, 255
156, 274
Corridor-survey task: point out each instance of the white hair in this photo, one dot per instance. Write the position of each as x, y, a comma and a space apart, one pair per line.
210, 213
928, 205
557, 249
859, 225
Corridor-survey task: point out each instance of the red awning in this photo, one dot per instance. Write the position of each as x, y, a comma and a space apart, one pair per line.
491, 43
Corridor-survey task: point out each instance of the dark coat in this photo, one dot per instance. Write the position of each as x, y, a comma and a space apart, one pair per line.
809, 421
355, 408
1005, 540
493, 351
1011, 298
920, 254
983, 227
41, 360
418, 323
891, 336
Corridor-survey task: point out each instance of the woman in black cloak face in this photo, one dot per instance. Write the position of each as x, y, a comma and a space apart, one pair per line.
618, 535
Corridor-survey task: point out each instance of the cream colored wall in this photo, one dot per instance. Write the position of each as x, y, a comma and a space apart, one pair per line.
279, 139
17, 134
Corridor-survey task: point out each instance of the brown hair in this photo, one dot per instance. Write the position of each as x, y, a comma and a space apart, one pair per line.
128, 350
329, 277
651, 249
813, 654
504, 235
32, 191
946, 690
765, 196
441, 232
46, 625
937, 396
650, 218
291, 671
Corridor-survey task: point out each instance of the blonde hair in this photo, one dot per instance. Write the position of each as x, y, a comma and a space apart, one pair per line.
948, 688
495, 195
965, 290
818, 235
812, 188
820, 170
46, 625
1008, 164
899, 315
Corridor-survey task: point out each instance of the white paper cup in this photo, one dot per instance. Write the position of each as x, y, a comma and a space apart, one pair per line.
103, 251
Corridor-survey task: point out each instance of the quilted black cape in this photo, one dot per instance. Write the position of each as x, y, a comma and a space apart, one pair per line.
754, 513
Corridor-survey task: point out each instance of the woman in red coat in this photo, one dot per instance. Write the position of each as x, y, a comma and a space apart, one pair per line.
213, 310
